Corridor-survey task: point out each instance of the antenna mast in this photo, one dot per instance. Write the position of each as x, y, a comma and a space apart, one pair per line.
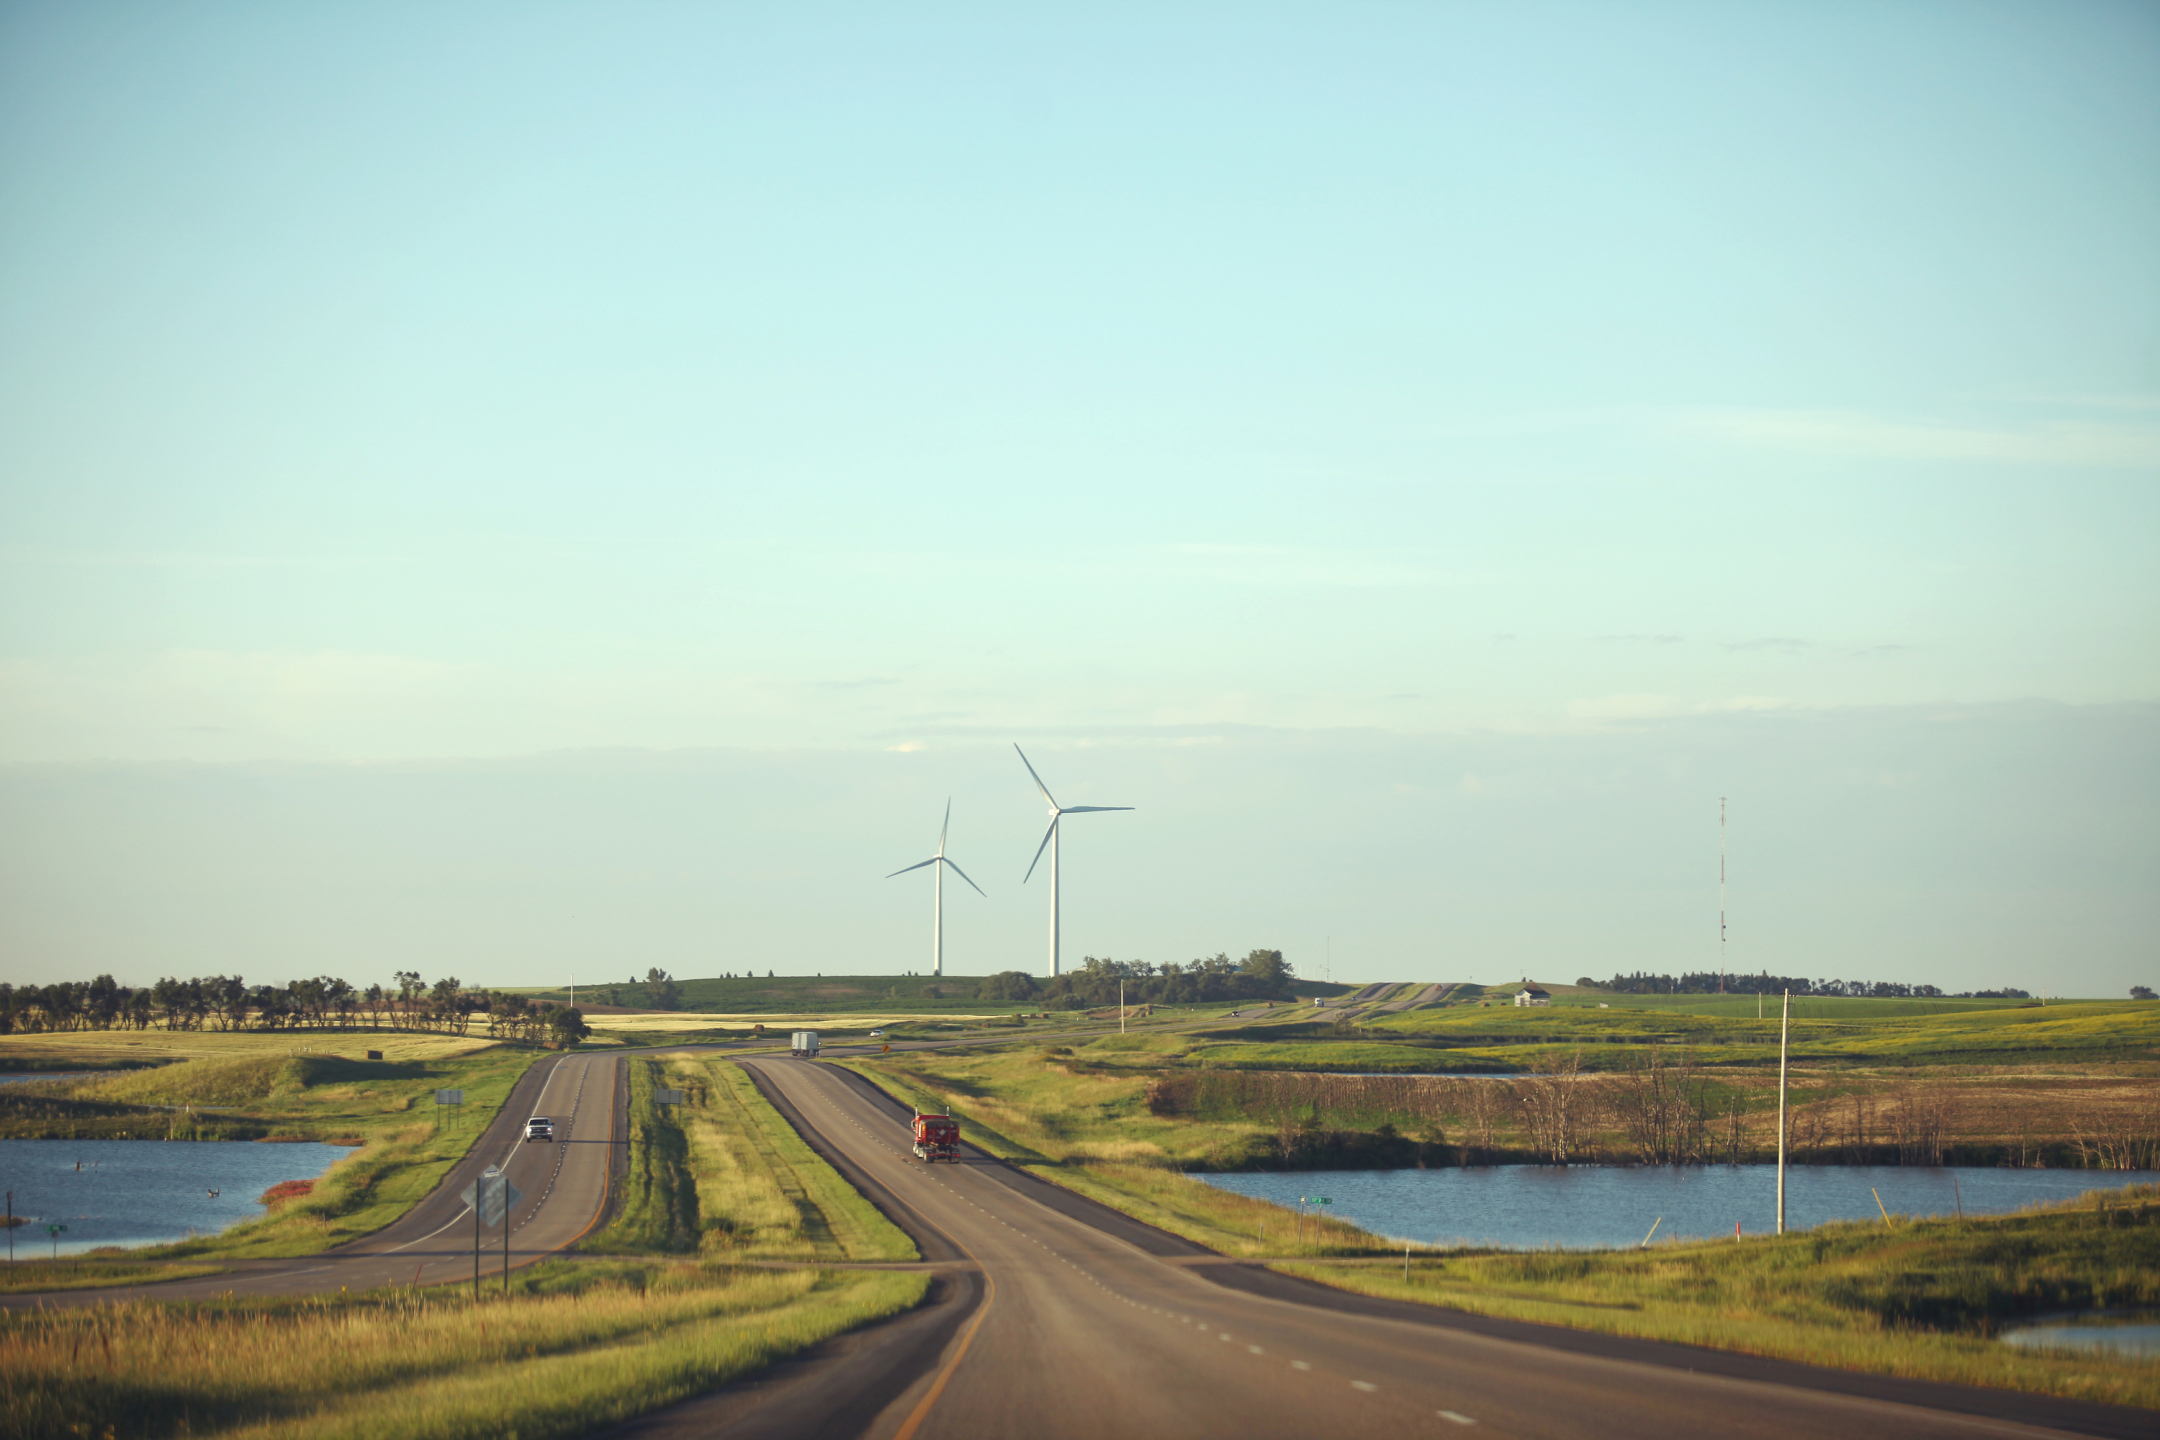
1721, 894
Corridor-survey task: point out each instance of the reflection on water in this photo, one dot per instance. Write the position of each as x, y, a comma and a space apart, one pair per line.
144, 1192
1577, 1206
2132, 1333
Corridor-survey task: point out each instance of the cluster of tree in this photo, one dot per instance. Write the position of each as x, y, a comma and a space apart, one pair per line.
661, 991
227, 1002
1712, 983
1261, 975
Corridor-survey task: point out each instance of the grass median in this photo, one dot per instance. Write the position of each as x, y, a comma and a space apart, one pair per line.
723, 1175
572, 1348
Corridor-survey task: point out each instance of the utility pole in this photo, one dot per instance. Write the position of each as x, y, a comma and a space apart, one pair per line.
1721, 894
1783, 1045
1121, 1005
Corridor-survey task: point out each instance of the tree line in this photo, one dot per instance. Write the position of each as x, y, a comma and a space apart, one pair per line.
1710, 982
228, 1002
1261, 975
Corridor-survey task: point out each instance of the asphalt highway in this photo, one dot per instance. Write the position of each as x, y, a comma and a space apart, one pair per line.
564, 1190
1085, 1324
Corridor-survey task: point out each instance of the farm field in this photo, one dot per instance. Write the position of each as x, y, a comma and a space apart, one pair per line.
797, 995
137, 1049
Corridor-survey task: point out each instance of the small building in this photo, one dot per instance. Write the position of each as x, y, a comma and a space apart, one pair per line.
1531, 995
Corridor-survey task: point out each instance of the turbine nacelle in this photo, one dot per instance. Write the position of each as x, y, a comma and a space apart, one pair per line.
1050, 842
942, 863
1057, 813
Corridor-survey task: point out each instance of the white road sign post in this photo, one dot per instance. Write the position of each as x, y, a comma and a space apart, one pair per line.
450, 1097
492, 1198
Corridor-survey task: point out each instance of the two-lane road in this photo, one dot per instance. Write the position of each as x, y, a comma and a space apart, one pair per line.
563, 1189
1089, 1327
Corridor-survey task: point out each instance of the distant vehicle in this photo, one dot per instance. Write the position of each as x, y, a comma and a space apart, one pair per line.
877, 1034
937, 1137
804, 1043
540, 1127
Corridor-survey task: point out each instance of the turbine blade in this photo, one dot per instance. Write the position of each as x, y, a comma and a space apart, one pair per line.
944, 827
964, 875
1092, 809
1039, 848
1038, 781
931, 861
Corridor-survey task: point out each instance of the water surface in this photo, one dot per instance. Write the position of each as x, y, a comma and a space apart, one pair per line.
1590, 1206
144, 1192
2129, 1334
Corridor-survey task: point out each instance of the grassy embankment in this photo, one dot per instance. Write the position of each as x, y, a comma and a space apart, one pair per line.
1922, 1298
384, 1109
575, 1347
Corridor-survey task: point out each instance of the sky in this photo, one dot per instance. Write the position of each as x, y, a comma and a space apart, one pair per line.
513, 489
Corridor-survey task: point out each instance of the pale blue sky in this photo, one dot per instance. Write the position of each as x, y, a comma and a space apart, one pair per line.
1721, 394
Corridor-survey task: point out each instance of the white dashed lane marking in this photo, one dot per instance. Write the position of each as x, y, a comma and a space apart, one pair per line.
1458, 1419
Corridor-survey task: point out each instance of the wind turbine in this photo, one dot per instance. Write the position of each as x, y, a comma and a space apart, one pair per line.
937, 911
1050, 838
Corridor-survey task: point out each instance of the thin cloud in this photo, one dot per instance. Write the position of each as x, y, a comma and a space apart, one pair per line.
2056, 443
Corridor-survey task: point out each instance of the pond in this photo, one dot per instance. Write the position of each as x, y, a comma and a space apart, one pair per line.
144, 1192
1596, 1206
2129, 1333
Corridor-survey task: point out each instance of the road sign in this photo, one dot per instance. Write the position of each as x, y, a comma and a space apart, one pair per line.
667, 1097
449, 1097
497, 1196
54, 1231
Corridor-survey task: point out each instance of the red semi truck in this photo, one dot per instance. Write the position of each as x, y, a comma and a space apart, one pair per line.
937, 1137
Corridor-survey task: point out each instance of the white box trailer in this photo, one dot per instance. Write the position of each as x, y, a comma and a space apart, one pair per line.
803, 1043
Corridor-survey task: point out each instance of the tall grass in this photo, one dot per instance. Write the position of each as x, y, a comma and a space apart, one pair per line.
762, 1172
573, 1349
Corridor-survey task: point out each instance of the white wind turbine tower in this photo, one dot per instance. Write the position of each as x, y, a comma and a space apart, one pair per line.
1050, 838
937, 905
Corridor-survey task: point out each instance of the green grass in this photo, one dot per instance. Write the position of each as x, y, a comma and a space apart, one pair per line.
1804, 1007
574, 1348
726, 1176
1849, 1032
659, 1213
1922, 1299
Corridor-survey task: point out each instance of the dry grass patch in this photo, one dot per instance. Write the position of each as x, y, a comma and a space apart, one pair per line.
574, 1349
